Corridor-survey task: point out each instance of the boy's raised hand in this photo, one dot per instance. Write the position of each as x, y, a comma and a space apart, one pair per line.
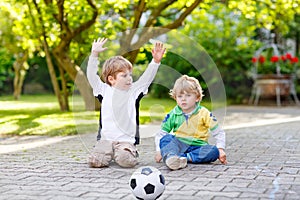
97, 46
158, 52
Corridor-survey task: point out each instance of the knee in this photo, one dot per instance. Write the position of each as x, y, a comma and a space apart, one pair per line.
212, 150
213, 153
125, 159
205, 154
166, 139
125, 155
99, 159
101, 155
216, 151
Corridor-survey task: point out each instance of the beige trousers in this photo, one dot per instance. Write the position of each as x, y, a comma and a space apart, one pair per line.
123, 153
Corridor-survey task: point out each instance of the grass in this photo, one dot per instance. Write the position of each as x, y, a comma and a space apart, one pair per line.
40, 115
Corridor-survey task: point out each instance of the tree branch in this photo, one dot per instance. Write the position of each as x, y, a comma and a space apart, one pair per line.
61, 19
88, 23
138, 13
152, 32
67, 34
157, 11
178, 22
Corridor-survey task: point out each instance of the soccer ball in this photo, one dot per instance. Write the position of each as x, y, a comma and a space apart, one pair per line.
147, 183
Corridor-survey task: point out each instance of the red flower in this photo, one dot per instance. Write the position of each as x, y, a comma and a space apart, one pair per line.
283, 58
288, 56
294, 60
274, 59
261, 59
254, 60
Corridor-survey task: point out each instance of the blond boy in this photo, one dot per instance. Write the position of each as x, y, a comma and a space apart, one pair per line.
190, 123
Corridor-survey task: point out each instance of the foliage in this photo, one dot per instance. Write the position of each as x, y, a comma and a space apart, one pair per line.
272, 15
226, 35
294, 30
6, 73
226, 30
176, 62
8, 48
38, 73
65, 29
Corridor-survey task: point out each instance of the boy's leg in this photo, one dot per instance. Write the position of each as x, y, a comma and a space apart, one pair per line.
202, 154
101, 155
170, 148
125, 154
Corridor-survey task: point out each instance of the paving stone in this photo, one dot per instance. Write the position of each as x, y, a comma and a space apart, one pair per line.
263, 163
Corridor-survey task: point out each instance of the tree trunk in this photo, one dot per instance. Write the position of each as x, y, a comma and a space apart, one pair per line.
79, 78
53, 77
20, 72
64, 90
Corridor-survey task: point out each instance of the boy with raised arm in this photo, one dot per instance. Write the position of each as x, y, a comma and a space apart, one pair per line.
119, 97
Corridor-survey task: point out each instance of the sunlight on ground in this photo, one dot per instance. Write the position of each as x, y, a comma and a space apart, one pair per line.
9, 126
12, 117
11, 105
40, 115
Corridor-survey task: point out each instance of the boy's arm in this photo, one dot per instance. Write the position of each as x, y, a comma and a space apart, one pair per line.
166, 127
216, 131
158, 136
219, 135
93, 63
147, 77
93, 78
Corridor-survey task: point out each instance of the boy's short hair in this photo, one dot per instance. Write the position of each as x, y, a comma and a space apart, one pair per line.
113, 66
187, 84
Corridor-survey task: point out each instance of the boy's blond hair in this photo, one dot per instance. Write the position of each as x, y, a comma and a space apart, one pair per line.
187, 84
113, 66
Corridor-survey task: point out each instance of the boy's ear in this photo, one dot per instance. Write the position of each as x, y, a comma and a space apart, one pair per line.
110, 79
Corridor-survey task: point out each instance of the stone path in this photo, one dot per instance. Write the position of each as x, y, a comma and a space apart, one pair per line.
263, 151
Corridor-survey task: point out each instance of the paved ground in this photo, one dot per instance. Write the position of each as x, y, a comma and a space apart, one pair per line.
263, 150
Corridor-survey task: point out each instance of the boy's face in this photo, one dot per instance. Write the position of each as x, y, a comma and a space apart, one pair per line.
187, 101
123, 80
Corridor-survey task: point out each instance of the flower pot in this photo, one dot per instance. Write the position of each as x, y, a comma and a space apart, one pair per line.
271, 85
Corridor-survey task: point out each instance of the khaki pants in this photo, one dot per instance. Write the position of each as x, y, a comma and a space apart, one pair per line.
123, 153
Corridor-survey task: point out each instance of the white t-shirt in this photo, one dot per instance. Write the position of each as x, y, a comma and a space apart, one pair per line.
118, 109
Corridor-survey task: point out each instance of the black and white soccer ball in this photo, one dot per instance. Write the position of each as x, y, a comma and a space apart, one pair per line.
147, 183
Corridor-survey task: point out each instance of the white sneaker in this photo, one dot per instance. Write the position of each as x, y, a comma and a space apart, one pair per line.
175, 162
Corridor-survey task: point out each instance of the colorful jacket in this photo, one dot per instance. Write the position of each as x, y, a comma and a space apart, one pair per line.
193, 129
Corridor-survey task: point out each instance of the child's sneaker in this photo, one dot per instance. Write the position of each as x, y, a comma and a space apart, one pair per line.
175, 162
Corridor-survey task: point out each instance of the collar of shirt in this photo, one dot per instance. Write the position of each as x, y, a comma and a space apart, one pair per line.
178, 111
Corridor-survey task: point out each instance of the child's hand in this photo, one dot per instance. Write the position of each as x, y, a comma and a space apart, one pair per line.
97, 46
158, 52
222, 156
158, 157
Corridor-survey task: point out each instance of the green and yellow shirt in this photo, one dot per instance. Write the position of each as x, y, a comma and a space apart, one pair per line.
194, 128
